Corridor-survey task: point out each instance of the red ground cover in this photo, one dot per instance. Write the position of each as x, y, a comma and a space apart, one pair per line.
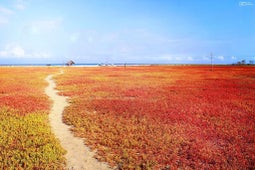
22, 89
26, 139
164, 117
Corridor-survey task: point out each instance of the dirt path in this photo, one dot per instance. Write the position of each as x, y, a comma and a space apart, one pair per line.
79, 157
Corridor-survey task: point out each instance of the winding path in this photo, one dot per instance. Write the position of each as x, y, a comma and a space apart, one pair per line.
79, 156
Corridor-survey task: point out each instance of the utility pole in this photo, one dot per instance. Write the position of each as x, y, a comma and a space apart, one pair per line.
211, 61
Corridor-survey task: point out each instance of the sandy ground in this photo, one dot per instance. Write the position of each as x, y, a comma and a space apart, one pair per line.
79, 156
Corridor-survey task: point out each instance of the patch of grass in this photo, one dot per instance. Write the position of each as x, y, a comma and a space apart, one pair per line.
26, 142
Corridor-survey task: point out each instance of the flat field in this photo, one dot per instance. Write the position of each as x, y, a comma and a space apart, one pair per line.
26, 140
161, 117
154, 117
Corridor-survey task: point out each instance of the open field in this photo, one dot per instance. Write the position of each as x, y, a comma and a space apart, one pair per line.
161, 117
153, 117
26, 140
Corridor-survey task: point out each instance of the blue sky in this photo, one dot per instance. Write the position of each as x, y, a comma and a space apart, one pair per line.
145, 31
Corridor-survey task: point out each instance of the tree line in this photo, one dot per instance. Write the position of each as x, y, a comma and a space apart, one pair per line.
243, 62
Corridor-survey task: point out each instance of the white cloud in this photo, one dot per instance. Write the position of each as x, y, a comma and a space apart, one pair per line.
233, 57
169, 57
220, 57
166, 57
3, 53
6, 11
245, 3
18, 51
190, 58
14, 50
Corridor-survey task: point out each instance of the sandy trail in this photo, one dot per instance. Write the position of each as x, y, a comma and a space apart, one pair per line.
79, 156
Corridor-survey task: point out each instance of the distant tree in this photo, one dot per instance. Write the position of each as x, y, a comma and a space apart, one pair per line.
243, 62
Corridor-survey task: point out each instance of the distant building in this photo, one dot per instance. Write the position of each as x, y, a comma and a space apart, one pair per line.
69, 63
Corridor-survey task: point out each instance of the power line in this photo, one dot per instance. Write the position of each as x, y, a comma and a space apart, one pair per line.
211, 61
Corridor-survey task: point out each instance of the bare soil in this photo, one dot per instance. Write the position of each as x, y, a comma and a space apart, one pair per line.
78, 156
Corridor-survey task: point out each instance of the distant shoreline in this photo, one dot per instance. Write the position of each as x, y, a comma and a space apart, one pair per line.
112, 65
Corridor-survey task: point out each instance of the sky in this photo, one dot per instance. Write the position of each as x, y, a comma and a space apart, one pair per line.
127, 31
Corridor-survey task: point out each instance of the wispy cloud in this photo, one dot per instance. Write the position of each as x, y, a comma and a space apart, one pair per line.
176, 57
14, 50
220, 57
245, 3
6, 11
133, 44
190, 58
20, 4
5, 14
44, 26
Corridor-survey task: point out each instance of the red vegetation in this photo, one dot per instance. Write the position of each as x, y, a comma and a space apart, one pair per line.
26, 140
22, 89
165, 117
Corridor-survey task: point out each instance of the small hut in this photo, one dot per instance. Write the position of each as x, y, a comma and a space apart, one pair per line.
69, 63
